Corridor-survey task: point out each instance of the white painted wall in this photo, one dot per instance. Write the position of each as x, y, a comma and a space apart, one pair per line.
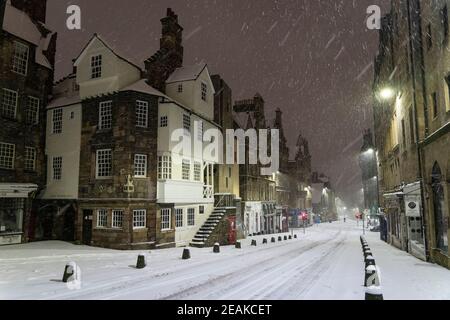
67, 146
116, 72
185, 234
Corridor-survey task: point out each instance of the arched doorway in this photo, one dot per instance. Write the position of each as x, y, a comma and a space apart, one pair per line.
439, 207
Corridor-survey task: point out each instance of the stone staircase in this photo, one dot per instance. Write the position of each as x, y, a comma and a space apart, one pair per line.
201, 238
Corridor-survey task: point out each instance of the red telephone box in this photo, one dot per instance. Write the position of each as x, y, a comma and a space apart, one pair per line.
232, 230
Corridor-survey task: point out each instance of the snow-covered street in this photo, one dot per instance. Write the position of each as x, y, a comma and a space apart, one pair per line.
324, 263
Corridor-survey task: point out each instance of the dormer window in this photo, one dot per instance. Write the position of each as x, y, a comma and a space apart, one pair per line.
96, 66
204, 91
180, 88
20, 58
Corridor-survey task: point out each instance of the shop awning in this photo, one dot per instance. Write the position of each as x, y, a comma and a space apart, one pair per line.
17, 190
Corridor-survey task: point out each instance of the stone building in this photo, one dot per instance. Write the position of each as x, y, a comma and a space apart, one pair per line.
27, 59
400, 122
417, 207
436, 143
258, 193
368, 164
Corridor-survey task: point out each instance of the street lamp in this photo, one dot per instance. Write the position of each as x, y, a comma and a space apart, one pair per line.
387, 93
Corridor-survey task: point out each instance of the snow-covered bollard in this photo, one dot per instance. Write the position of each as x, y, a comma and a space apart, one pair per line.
285, 238
280, 239
254, 244
273, 240
72, 275
238, 245
186, 254
141, 261
265, 241
370, 261
374, 293
290, 237
295, 236
216, 248
373, 284
367, 253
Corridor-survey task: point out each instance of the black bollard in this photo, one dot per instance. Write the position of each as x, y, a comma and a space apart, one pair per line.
216, 248
273, 240
141, 261
279, 238
238, 245
290, 237
264, 241
186, 254
370, 261
254, 244
70, 272
295, 236
285, 238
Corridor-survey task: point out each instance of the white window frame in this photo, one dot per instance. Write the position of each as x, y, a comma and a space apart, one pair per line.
102, 218
179, 218
140, 166
30, 157
186, 170
20, 61
197, 171
57, 163
32, 112
98, 169
57, 118
141, 114
191, 217
96, 66
139, 219
164, 122
187, 122
7, 155
200, 130
117, 219
105, 115
7, 106
166, 217
204, 91
165, 167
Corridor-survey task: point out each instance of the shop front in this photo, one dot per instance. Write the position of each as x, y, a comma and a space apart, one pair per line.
14, 204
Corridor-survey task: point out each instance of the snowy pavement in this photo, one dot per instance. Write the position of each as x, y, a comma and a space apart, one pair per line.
324, 263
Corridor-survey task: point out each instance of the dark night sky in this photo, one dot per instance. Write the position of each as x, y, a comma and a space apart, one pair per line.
309, 57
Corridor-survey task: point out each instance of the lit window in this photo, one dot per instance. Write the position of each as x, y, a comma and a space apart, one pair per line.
105, 115
186, 169
57, 168
57, 121
139, 218
117, 219
140, 166
9, 104
164, 122
165, 219
32, 111
180, 88
204, 91
102, 218
142, 114
30, 158
179, 223
7, 152
197, 171
191, 217
104, 163
187, 122
96, 67
20, 58
164, 167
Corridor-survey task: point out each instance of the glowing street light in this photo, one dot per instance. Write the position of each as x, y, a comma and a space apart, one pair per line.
387, 93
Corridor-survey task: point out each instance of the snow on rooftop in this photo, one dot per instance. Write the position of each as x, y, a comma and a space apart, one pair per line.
142, 86
186, 73
19, 24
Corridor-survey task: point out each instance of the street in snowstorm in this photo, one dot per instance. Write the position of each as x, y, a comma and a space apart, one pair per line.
326, 262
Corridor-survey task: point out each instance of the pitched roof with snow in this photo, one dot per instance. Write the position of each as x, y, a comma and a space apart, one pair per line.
187, 73
143, 87
19, 24
138, 64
